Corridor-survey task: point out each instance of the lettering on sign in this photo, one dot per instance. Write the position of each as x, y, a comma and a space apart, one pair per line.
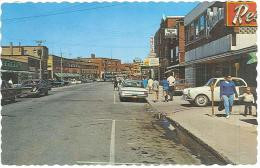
241, 14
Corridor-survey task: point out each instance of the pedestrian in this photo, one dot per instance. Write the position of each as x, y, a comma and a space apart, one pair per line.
166, 87
156, 90
150, 85
115, 84
145, 82
227, 91
248, 100
171, 81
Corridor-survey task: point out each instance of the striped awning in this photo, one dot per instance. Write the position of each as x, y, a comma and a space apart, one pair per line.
67, 75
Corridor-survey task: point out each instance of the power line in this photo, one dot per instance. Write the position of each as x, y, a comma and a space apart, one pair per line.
58, 13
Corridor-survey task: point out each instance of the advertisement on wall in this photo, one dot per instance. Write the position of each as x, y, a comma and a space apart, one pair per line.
241, 14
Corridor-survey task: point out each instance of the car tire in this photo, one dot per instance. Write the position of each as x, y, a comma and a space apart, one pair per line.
201, 100
121, 99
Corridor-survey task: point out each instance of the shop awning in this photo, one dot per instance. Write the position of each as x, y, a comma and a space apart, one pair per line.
252, 58
67, 75
232, 53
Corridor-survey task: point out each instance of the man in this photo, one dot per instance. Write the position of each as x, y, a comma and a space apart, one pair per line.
227, 92
150, 85
166, 87
155, 86
145, 82
171, 81
115, 84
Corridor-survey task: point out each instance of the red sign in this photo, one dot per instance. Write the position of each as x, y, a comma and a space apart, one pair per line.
241, 13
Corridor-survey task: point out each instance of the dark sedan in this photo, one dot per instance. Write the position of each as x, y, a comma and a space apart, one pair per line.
37, 87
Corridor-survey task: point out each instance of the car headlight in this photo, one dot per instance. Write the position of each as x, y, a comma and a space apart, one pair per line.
189, 93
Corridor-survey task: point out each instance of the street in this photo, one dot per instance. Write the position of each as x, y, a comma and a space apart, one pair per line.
86, 124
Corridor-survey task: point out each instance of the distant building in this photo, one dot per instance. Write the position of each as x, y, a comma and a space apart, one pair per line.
65, 68
106, 66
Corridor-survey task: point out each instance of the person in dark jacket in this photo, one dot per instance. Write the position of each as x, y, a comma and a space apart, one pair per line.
227, 92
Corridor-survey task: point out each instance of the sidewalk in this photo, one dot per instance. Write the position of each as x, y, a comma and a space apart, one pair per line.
234, 138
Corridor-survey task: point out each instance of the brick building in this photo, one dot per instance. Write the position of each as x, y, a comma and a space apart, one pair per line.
106, 66
59, 67
218, 44
169, 45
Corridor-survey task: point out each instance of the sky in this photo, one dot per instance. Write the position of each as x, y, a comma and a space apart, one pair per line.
117, 30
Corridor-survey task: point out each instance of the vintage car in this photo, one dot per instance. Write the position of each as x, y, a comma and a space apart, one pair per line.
35, 87
132, 89
201, 96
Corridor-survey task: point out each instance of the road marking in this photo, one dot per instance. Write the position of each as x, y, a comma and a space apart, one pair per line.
112, 143
87, 162
114, 98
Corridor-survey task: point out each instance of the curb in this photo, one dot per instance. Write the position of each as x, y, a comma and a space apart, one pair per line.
208, 148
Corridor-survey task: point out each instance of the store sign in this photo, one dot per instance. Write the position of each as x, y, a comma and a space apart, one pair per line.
153, 61
241, 14
170, 33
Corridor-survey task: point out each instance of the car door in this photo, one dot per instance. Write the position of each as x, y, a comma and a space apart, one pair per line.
217, 90
239, 84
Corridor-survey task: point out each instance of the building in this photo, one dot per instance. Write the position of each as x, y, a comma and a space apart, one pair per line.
107, 67
64, 68
24, 62
220, 40
169, 45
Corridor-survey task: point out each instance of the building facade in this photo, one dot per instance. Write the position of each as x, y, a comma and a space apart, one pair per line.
220, 40
107, 67
36, 57
169, 45
60, 67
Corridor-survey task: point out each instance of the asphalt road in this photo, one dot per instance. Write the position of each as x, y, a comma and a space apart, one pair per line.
86, 124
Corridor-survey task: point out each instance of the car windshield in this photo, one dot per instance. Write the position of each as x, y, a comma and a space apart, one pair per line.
133, 84
210, 82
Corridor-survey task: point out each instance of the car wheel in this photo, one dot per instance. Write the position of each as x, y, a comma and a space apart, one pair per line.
201, 100
121, 99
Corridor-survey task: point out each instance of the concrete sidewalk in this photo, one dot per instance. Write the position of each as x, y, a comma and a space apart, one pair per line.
234, 139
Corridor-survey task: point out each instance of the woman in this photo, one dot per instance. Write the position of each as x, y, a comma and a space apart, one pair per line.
227, 91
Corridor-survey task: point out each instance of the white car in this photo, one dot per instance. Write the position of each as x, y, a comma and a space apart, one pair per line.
132, 89
201, 96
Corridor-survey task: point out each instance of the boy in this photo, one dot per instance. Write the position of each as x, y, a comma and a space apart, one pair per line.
248, 100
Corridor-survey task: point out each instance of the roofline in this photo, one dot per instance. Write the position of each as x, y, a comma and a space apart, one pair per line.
21, 46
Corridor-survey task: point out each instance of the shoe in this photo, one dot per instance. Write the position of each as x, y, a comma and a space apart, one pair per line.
227, 116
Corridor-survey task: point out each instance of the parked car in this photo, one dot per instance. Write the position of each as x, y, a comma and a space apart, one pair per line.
8, 92
179, 86
37, 87
74, 81
132, 89
201, 96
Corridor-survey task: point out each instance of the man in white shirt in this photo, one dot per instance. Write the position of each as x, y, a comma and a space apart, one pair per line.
150, 85
171, 81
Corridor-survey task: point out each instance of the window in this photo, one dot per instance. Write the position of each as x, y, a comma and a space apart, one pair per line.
192, 31
196, 24
202, 22
238, 82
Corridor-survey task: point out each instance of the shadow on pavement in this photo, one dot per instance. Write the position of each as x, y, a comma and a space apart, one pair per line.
135, 100
250, 121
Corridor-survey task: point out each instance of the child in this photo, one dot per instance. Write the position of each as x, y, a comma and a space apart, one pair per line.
248, 100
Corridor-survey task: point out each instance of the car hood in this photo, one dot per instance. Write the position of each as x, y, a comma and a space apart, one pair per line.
185, 91
133, 89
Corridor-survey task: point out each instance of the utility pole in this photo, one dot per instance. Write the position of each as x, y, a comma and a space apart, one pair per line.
61, 68
39, 42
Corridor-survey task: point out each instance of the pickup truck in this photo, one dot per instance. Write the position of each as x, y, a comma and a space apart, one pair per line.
201, 96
